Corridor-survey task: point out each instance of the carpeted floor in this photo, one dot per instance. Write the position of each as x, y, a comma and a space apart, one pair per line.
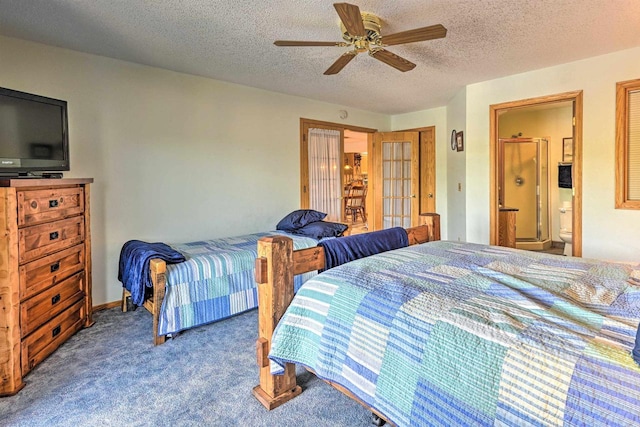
112, 375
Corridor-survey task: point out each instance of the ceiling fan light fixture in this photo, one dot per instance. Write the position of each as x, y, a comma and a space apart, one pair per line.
372, 25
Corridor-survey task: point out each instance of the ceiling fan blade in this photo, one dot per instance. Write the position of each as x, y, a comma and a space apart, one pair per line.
417, 35
304, 43
337, 66
392, 59
351, 18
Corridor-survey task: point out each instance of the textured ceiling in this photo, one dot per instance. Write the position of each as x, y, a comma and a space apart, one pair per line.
232, 40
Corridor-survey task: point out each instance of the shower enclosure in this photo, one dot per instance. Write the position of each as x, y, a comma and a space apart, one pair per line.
524, 185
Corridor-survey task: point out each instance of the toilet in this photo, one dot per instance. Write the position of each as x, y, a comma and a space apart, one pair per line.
565, 227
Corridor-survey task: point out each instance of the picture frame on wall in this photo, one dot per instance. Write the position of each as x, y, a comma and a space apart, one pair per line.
567, 150
459, 141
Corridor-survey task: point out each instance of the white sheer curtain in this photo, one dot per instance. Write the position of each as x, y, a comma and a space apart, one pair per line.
324, 173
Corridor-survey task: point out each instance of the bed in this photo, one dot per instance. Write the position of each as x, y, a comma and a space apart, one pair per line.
450, 333
215, 281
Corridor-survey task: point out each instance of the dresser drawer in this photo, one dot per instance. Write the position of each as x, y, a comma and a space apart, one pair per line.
36, 206
40, 274
42, 307
40, 240
37, 346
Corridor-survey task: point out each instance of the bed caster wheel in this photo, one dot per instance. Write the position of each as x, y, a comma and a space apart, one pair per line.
377, 421
130, 305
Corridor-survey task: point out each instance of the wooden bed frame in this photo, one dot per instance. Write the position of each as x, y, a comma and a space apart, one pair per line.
153, 300
276, 265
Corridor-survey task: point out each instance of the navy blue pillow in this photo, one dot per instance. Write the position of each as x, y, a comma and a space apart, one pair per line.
321, 229
298, 219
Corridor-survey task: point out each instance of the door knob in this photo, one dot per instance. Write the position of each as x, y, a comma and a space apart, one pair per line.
430, 195
413, 196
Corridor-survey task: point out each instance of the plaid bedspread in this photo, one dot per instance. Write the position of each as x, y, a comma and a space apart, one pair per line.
457, 334
216, 281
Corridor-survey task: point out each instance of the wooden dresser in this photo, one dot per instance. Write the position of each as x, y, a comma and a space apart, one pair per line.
45, 271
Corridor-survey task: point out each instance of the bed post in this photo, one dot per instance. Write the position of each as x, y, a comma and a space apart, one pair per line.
158, 278
274, 274
431, 220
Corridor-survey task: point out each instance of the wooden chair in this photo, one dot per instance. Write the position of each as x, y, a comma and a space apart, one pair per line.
355, 203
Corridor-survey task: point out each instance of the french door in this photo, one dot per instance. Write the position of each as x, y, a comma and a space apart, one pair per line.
395, 179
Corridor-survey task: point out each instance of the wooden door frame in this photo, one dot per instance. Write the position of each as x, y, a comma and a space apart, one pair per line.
305, 124
494, 112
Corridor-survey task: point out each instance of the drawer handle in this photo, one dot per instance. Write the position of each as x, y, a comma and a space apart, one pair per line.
53, 236
55, 299
55, 267
55, 331
53, 203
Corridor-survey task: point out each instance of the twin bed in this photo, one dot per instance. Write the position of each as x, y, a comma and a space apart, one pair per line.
450, 333
216, 280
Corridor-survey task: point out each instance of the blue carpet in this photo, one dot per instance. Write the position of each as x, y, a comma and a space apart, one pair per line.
112, 375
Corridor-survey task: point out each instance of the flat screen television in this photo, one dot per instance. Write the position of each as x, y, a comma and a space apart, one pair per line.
34, 139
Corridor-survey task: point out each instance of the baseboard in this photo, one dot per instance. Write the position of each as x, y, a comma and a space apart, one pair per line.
106, 306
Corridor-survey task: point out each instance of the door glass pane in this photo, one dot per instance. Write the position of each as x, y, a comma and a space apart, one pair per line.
407, 169
386, 151
397, 187
386, 222
398, 150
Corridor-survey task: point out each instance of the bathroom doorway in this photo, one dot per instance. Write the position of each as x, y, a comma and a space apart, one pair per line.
563, 130
524, 189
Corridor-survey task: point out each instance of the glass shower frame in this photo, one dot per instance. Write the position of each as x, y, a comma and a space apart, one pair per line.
524, 184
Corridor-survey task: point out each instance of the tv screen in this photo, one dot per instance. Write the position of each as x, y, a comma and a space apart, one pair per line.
33, 133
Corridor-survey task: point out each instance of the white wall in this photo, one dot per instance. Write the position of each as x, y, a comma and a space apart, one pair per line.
456, 165
608, 233
175, 157
434, 117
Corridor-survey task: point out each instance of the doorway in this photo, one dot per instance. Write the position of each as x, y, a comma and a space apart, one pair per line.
356, 181
344, 164
417, 189
572, 134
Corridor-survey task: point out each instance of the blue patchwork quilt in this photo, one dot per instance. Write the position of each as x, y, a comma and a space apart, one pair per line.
458, 334
216, 280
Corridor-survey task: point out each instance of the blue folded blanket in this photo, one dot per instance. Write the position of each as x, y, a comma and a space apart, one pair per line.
133, 270
345, 249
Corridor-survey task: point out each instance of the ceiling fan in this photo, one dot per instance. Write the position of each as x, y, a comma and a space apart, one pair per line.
362, 31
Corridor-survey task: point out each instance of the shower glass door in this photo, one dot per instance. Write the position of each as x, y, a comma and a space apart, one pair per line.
525, 186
